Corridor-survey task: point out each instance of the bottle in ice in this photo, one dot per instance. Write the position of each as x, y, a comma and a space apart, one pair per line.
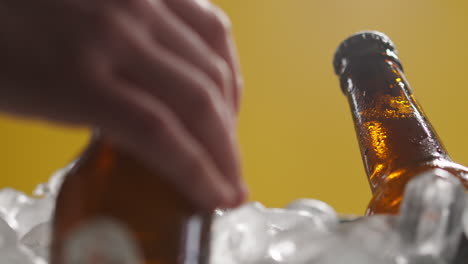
107, 182
396, 140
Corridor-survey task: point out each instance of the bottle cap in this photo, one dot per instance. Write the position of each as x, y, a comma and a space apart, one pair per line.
364, 44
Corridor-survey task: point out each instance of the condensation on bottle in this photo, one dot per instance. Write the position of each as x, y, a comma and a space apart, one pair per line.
396, 140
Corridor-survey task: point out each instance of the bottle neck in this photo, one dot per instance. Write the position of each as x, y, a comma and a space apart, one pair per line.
392, 130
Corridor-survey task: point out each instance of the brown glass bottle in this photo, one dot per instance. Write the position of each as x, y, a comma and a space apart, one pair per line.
108, 182
397, 141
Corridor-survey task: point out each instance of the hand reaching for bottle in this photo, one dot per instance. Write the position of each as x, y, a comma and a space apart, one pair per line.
159, 77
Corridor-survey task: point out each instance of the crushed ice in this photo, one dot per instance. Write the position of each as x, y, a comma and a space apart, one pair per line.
433, 219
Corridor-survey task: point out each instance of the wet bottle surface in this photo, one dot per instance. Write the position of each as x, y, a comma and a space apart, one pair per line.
396, 140
108, 182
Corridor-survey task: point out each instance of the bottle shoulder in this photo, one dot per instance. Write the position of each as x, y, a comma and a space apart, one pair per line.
388, 195
112, 184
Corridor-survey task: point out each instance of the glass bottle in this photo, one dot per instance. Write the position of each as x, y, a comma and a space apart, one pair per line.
109, 182
396, 140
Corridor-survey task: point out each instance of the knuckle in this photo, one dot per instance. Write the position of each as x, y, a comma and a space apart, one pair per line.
222, 74
224, 19
220, 25
201, 103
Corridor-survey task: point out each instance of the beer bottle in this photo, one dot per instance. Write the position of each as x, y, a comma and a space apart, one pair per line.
108, 182
396, 140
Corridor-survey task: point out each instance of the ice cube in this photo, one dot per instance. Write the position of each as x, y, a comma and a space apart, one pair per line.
376, 233
10, 219
431, 214
300, 245
240, 236
18, 255
52, 187
421, 259
344, 252
368, 240
316, 208
355, 241
14, 256
280, 220
38, 240
11, 201
8, 236
36, 212
102, 239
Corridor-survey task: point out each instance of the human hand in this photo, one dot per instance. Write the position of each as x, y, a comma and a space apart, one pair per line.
160, 77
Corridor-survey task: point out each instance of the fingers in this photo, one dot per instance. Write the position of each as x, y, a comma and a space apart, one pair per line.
161, 140
150, 130
214, 27
190, 94
182, 41
168, 98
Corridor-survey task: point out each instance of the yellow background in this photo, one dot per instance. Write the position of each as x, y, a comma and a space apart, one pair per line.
296, 131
